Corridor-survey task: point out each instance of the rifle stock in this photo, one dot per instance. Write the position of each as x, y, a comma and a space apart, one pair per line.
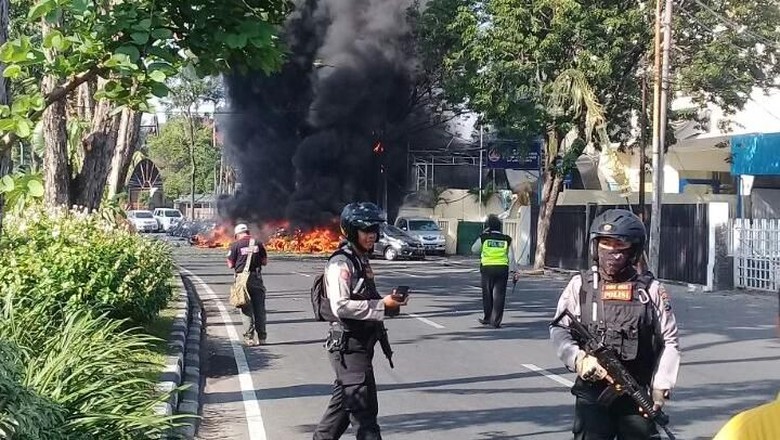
622, 381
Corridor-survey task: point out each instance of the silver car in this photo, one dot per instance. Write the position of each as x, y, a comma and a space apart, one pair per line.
143, 221
427, 231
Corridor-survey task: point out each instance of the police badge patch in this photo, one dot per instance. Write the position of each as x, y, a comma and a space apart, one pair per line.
664, 295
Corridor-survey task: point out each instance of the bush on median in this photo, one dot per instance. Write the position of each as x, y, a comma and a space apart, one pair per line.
70, 260
71, 286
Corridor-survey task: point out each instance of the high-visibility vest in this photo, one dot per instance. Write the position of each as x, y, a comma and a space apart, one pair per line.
495, 249
760, 423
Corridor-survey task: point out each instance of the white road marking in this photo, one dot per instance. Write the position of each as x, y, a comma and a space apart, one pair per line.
561, 380
304, 274
425, 320
254, 419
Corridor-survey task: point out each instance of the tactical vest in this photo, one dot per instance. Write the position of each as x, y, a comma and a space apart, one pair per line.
364, 290
626, 320
495, 249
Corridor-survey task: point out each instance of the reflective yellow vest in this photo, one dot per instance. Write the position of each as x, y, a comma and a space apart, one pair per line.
760, 423
495, 250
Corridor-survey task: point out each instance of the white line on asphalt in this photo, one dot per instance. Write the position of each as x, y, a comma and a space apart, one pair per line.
425, 320
552, 376
304, 274
254, 419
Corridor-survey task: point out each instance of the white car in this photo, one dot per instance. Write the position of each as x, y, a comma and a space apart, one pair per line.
167, 217
143, 221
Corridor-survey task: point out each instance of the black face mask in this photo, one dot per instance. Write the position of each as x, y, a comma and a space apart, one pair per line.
615, 264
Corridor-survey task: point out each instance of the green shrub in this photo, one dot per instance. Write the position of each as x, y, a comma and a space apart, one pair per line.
23, 413
69, 260
88, 369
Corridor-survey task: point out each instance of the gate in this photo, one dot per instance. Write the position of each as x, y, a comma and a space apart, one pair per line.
755, 246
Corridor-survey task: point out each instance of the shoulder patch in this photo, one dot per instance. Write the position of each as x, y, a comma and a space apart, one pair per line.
666, 302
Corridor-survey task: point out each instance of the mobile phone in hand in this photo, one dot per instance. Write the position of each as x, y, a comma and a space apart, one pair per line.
400, 294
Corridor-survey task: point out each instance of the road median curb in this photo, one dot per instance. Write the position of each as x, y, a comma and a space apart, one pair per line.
181, 378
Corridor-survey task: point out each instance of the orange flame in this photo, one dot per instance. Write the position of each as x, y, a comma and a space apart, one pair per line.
219, 237
318, 240
324, 239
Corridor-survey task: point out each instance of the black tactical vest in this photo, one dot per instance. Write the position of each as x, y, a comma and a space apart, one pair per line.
626, 320
362, 288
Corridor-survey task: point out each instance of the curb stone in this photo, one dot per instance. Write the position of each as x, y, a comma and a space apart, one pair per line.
181, 376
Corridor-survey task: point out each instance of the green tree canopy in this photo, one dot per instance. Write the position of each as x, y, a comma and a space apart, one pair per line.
169, 150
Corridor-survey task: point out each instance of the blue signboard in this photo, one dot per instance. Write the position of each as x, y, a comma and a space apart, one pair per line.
755, 154
514, 156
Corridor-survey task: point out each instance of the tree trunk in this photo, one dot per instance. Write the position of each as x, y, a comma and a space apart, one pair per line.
193, 169
550, 192
126, 143
85, 100
4, 100
56, 166
98, 149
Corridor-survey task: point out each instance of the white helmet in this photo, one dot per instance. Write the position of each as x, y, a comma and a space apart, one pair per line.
240, 228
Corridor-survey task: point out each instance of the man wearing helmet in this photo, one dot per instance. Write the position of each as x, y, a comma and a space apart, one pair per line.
360, 309
631, 312
253, 314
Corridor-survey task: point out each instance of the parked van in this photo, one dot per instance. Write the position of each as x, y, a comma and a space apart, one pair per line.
167, 217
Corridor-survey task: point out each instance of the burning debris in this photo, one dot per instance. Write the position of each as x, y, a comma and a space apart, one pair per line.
219, 237
324, 239
334, 125
318, 240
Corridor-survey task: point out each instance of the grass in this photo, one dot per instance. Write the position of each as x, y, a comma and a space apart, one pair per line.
159, 328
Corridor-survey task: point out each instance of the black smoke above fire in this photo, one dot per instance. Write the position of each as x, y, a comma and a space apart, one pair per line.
320, 133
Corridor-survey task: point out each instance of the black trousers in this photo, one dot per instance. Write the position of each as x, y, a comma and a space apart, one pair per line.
354, 398
621, 420
494, 279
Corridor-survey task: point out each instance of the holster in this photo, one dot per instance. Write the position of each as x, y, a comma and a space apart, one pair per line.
336, 340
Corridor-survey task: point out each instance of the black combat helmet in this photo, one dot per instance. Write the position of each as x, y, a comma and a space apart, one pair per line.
620, 224
357, 216
493, 223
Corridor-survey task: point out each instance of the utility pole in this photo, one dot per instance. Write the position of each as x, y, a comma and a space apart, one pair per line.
480, 170
643, 140
660, 95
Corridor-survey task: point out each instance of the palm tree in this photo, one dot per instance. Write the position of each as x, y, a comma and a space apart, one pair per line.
571, 98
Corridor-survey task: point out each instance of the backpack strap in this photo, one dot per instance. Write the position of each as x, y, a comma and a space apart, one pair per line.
352, 258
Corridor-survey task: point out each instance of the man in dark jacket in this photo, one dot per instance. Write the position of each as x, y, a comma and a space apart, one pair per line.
253, 315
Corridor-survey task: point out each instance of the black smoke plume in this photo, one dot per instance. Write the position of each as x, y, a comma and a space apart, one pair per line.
321, 133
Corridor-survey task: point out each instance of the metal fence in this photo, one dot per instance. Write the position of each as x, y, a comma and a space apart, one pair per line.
684, 248
755, 246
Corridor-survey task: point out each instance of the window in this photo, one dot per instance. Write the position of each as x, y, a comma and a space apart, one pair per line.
423, 225
402, 224
172, 213
143, 214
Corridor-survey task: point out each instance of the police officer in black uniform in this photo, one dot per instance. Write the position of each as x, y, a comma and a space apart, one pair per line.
630, 312
354, 299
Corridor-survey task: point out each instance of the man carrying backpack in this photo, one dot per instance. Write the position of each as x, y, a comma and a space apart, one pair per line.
357, 309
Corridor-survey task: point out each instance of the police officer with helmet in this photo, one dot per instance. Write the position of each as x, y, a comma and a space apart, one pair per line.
497, 261
360, 309
631, 313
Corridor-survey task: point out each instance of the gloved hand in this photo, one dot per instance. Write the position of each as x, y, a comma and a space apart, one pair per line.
588, 367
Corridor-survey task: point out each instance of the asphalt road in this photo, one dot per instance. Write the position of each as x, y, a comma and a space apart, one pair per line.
454, 379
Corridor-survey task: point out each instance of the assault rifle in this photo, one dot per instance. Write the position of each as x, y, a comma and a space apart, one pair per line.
621, 380
384, 342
